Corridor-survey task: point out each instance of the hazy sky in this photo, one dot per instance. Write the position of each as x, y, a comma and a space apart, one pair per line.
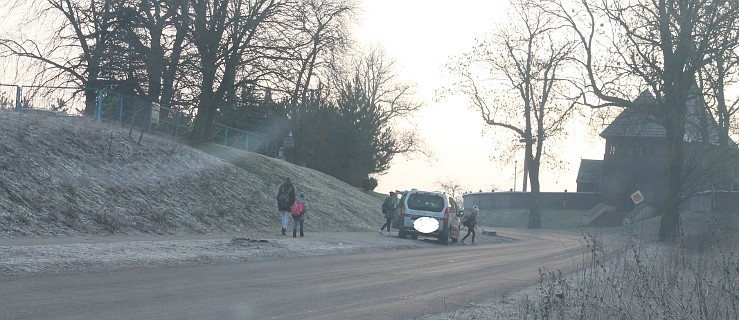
422, 36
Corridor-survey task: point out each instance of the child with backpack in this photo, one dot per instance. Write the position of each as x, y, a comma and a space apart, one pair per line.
299, 212
470, 221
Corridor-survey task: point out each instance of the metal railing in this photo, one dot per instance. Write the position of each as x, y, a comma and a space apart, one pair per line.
127, 111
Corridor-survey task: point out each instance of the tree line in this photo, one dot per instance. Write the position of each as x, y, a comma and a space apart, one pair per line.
271, 66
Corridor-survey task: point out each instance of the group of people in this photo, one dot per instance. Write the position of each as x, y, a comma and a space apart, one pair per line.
292, 205
391, 206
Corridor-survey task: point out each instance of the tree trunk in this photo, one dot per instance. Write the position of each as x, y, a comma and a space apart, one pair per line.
155, 68
203, 126
92, 86
91, 98
535, 209
675, 131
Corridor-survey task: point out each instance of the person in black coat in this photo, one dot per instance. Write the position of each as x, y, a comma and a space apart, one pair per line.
470, 221
388, 210
285, 200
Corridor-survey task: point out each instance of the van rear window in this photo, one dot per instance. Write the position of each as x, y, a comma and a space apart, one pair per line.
426, 202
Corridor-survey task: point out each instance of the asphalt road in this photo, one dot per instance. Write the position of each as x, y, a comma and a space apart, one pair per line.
394, 284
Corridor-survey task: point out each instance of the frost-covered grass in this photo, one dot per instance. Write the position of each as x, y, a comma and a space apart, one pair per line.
69, 176
695, 278
637, 278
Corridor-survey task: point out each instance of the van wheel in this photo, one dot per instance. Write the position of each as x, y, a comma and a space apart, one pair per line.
414, 236
446, 237
401, 234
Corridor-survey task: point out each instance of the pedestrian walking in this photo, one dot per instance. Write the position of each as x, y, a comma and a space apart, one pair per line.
285, 201
470, 221
299, 214
388, 210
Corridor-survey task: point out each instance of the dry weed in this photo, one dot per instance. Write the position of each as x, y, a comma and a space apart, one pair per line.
644, 281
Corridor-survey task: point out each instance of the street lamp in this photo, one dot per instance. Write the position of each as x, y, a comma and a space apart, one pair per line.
288, 143
525, 163
515, 170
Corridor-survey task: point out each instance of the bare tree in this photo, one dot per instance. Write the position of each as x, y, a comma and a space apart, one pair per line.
75, 52
154, 37
321, 34
453, 189
630, 46
523, 62
351, 132
715, 79
381, 99
230, 37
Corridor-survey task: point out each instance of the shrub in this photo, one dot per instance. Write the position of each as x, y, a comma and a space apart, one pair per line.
369, 184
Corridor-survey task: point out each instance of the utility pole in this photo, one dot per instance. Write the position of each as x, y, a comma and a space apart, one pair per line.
515, 170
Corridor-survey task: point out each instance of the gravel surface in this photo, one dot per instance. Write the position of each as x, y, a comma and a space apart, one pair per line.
28, 256
38, 256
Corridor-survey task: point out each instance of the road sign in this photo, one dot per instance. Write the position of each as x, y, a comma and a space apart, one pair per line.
637, 197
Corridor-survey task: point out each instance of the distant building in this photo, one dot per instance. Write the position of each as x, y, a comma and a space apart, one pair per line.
635, 158
590, 175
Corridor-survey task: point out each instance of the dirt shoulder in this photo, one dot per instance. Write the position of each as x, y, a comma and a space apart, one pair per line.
29, 256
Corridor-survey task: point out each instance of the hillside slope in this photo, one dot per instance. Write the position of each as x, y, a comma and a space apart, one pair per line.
75, 176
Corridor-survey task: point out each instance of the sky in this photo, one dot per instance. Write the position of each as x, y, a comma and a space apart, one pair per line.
422, 36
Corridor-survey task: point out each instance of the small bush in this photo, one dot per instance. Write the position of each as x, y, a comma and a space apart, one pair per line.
69, 186
71, 214
159, 218
369, 184
108, 221
22, 135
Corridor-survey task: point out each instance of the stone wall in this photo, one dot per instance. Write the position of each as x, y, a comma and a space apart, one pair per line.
522, 200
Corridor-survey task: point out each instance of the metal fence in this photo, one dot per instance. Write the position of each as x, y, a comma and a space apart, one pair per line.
133, 112
244, 140
127, 111
60, 100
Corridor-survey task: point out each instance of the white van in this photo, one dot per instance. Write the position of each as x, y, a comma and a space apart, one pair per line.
431, 214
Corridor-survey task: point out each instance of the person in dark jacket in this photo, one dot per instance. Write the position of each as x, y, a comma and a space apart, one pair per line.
388, 210
285, 201
470, 222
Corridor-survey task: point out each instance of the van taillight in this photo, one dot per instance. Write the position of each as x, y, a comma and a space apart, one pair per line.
402, 210
446, 214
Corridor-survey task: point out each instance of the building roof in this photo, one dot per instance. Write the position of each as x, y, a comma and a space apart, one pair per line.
591, 171
633, 123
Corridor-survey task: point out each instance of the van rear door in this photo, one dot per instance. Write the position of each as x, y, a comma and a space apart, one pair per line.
423, 204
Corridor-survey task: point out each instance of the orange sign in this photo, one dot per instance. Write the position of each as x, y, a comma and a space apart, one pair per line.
637, 197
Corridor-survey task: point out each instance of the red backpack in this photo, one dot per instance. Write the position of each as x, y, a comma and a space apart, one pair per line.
297, 210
